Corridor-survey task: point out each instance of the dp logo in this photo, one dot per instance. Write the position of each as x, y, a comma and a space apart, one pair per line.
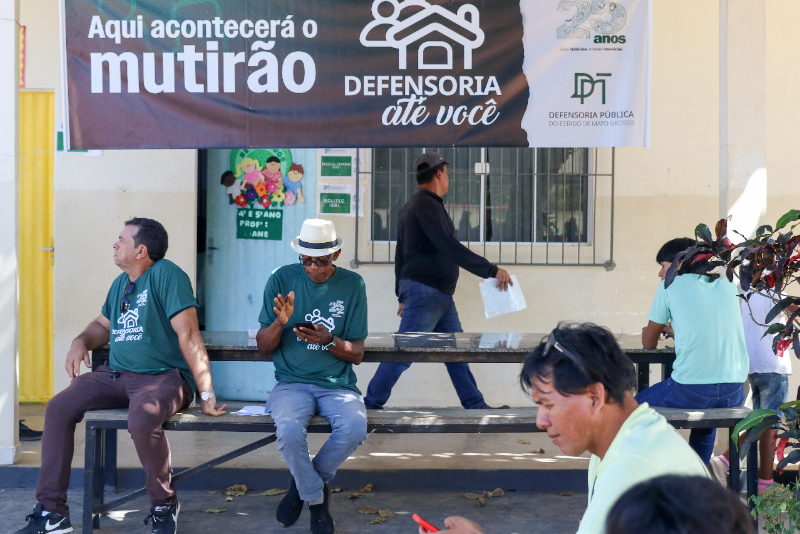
585, 84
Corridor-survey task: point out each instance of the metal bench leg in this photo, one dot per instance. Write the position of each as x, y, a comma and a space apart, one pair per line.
110, 459
92, 478
642, 377
752, 479
733, 473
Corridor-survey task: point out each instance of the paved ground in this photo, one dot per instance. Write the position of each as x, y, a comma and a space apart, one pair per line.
514, 512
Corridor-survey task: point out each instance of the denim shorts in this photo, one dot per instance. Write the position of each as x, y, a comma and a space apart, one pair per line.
770, 390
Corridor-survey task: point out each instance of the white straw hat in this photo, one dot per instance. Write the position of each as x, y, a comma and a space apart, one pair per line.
317, 238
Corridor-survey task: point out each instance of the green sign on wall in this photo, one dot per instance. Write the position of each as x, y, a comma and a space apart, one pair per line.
336, 165
259, 224
334, 203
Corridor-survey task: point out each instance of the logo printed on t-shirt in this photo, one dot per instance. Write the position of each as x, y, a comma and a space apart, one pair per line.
130, 331
337, 308
141, 298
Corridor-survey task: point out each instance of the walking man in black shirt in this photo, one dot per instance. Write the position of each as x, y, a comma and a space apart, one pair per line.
426, 264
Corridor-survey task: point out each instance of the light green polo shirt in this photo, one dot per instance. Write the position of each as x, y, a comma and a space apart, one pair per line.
709, 334
645, 447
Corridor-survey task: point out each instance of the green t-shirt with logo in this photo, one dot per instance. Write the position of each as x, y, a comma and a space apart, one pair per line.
339, 304
142, 339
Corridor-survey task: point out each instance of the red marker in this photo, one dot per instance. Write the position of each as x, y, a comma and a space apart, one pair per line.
424, 524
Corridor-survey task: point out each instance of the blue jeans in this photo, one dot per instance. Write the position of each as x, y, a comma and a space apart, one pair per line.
425, 309
291, 407
671, 394
770, 390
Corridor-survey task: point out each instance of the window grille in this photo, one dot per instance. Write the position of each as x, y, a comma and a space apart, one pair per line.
514, 206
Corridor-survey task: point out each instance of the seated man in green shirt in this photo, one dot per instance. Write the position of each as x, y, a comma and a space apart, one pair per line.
582, 382
314, 366
157, 363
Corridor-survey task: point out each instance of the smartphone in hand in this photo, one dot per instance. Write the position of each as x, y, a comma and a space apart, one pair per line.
304, 324
424, 524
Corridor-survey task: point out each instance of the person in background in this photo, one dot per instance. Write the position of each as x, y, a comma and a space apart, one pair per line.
581, 382
427, 259
664, 258
679, 505
711, 358
769, 382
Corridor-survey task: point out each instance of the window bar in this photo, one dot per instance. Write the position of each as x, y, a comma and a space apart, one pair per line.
357, 192
580, 212
500, 256
389, 209
564, 203
516, 211
547, 213
534, 195
611, 245
371, 222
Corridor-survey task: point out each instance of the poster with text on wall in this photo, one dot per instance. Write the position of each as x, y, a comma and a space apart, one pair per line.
339, 199
336, 163
259, 224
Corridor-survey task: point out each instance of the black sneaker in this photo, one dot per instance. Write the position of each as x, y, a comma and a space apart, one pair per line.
321, 520
290, 507
45, 524
164, 519
26, 434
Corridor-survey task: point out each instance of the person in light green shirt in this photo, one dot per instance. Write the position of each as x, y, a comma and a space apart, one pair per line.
581, 382
314, 322
711, 362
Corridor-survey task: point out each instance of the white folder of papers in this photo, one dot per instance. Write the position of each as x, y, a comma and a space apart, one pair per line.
496, 302
251, 410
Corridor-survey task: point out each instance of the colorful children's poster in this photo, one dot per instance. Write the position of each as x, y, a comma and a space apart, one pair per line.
259, 224
339, 199
336, 163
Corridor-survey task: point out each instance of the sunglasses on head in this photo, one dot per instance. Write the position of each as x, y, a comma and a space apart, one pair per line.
319, 262
552, 343
124, 304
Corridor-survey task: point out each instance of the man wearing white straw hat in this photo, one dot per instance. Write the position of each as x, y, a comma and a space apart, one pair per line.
314, 366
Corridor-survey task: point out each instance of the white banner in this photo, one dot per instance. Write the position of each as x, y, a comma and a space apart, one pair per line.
588, 68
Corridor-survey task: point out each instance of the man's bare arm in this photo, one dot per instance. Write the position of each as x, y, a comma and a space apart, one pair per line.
194, 350
95, 335
650, 334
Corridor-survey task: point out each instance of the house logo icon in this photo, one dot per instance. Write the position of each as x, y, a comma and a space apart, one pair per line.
395, 31
129, 319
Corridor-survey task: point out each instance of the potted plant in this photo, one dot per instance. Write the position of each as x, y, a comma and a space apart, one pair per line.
767, 264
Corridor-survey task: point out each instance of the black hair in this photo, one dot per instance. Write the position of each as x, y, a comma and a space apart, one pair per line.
602, 358
426, 176
675, 504
226, 175
273, 159
151, 234
672, 248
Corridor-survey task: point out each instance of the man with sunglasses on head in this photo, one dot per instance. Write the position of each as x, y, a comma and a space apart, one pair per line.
426, 266
581, 382
157, 363
314, 366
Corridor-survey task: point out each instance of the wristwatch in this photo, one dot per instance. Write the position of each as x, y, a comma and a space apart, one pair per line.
330, 345
207, 395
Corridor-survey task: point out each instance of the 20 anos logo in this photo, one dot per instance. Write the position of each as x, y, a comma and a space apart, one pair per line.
604, 17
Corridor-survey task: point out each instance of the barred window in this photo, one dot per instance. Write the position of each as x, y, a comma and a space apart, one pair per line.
512, 205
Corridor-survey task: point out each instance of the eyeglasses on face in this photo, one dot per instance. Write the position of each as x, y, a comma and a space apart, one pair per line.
552, 343
124, 304
319, 262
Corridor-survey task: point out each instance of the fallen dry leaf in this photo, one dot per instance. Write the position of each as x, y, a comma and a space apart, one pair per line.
386, 513
565, 494
237, 490
473, 495
228, 499
354, 496
366, 489
480, 502
336, 490
214, 511
523, 442
496, 493
368, 510
271, 492
377, 520
541, 451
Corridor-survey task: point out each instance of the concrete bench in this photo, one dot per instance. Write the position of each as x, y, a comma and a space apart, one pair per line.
420, 421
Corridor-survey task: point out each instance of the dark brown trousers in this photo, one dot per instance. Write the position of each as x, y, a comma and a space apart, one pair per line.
150, 399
